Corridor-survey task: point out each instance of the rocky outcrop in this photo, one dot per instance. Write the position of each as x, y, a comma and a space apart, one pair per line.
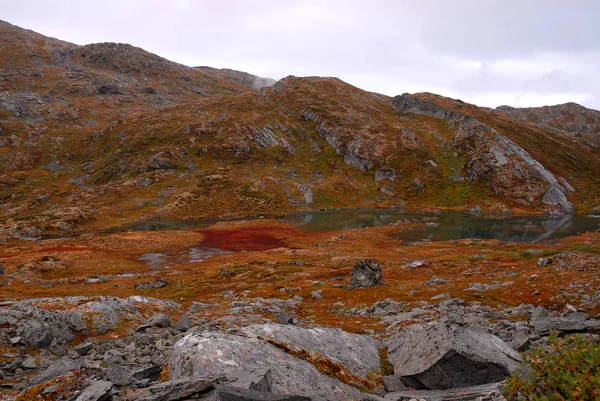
54, 322
266, 138
353, 152
244, 361
510, 170
441, 356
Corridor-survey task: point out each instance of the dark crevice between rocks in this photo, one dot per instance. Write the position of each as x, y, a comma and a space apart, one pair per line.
455, 370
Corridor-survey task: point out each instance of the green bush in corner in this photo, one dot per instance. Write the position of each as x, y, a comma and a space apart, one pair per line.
568, 369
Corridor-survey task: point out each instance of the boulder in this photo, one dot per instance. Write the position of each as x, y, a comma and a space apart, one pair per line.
244, 361
365, 274
439, 356
159, 320
359, 354
183, 324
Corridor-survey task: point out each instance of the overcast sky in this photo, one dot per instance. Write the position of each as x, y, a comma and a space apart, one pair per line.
487, 52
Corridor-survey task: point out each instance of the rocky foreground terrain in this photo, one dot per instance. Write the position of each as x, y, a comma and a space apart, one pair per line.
452, 349
96, 138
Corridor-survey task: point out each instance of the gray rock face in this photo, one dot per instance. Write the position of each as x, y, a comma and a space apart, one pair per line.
359, 354
408, 104
266, 138
439, 356
244, 360
365, 274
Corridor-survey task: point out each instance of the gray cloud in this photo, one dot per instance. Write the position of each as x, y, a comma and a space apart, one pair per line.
487, 52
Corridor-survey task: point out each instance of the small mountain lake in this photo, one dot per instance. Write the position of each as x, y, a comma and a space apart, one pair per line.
443, 226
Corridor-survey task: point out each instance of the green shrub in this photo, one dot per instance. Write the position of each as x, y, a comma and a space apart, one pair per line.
568, 369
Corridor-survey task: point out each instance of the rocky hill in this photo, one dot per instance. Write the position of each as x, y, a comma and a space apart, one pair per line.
104, 134
570, 119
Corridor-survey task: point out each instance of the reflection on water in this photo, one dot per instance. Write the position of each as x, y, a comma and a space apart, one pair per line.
453, 225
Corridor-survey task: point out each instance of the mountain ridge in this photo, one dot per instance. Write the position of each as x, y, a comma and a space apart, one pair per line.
104, 134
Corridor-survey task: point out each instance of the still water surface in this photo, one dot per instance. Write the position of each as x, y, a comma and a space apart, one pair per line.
441, 227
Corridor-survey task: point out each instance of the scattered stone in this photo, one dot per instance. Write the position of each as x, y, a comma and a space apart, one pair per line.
539, 311
366, 273
29, 363
545, 261
416, 263
435, 280
285, 318
159, 320
83, 348
316, 295
183, 324
152, 285
418, 185
118, 375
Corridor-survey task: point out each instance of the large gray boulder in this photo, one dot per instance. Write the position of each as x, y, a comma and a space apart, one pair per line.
365, 274
244, 361
359, 354
439, 356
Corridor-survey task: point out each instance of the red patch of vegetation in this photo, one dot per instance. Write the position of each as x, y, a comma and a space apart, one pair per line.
245, 239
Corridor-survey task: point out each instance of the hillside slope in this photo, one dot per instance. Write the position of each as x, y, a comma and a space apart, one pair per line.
104, 134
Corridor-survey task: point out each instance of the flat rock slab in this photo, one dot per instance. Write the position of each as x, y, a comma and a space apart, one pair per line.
359, 354
57, 368
98, 390
440, 356
176, 390
485, 392
245, 360
228, 393
574, 323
